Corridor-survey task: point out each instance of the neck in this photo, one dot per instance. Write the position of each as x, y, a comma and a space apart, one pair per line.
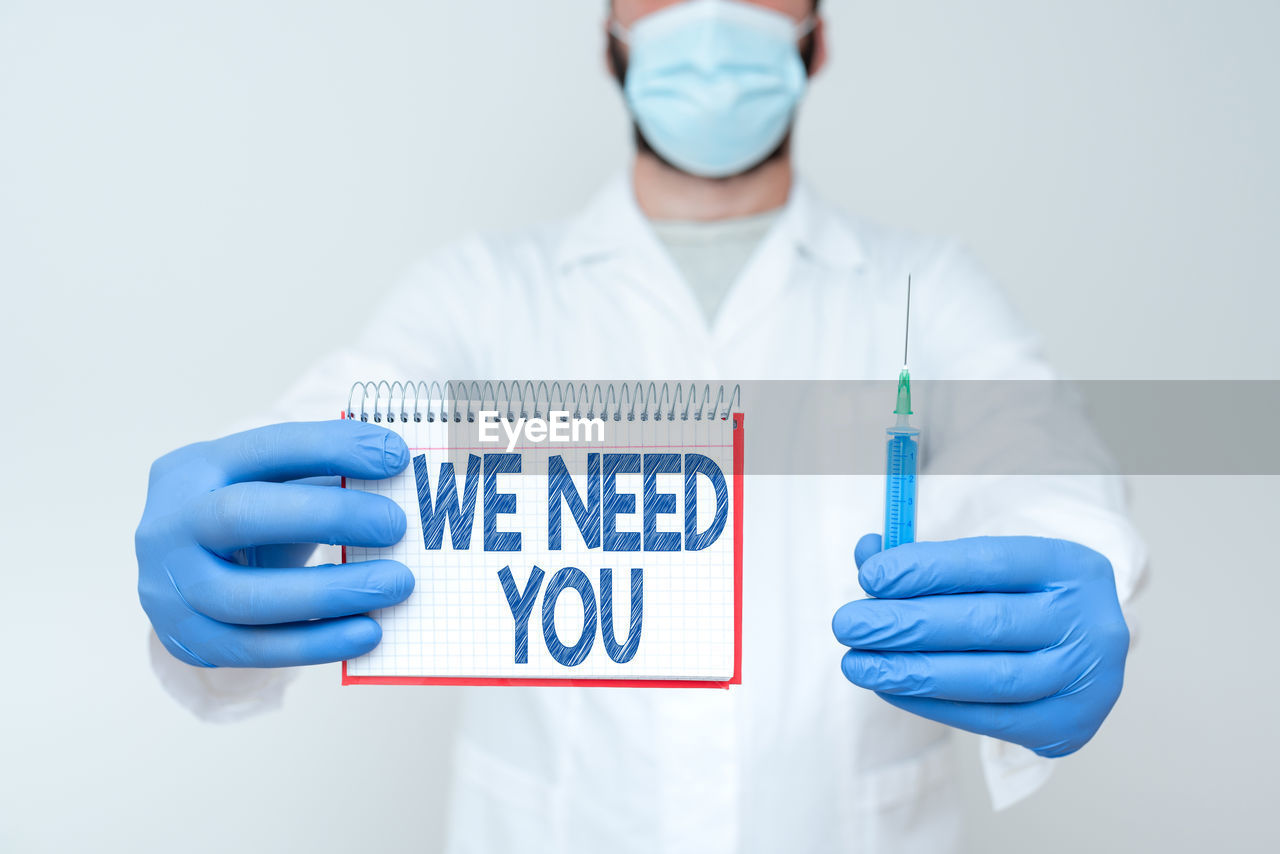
666, 193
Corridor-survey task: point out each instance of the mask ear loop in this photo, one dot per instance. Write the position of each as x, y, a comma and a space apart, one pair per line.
806, 26
619, 32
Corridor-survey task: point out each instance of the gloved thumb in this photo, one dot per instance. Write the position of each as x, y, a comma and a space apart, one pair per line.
867, 546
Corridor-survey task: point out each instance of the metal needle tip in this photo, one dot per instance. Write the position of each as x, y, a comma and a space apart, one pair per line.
906, 334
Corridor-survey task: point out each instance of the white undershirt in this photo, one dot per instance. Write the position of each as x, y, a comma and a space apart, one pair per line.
710, 255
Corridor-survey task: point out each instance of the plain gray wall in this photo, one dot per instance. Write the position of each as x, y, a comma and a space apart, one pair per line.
196, 199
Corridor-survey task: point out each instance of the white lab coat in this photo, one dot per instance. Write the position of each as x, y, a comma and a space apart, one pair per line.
795, 758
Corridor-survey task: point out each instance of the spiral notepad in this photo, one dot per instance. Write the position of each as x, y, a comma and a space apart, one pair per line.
561, 534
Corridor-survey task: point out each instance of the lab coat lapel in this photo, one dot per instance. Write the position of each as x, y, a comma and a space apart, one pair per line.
809, 232
614, 243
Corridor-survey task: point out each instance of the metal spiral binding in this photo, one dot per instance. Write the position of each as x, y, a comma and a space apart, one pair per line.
404, 401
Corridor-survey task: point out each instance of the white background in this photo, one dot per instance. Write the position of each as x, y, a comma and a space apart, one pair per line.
197, 198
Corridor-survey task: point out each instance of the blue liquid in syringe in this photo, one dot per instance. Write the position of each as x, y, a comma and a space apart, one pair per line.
901, 455
902, 451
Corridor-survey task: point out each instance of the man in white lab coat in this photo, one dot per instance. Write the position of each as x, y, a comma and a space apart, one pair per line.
710, 259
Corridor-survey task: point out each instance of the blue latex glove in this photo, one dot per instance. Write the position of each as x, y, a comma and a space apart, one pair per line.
214, 507
1020, 638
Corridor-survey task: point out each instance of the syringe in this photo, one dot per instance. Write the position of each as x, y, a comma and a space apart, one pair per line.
901, 454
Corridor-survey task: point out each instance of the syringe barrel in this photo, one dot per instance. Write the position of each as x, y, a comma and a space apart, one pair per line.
902, 452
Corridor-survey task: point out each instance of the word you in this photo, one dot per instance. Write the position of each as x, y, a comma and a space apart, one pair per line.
570, 577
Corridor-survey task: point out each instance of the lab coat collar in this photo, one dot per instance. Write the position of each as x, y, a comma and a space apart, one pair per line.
820, 231
613, 224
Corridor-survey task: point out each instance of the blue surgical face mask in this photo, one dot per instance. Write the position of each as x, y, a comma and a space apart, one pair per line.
713, 84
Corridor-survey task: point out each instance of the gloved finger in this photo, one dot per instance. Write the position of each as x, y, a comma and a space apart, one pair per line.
243, 596
867, 546
1015, 622
213, 644
975, 565
970, 677
319, 480
1019, 723
274, 556
260, 514
995, 719
307, 449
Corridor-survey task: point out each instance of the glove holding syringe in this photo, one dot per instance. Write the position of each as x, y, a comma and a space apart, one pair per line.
1018, 638
902, 452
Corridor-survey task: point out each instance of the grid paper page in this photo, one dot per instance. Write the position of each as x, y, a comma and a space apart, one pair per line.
459, 623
